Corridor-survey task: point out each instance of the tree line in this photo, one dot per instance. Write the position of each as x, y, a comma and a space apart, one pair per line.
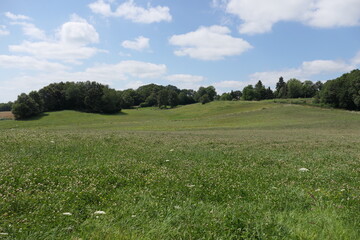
98, 98
293, 88
342, 92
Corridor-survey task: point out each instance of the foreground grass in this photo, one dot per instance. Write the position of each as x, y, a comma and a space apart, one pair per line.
219, 171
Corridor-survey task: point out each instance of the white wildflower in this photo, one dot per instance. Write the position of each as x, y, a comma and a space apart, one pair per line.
52, 141
99, 212
4, 234
303, 170
190, 185
342, 190
171, 150
317, 190
167, 160
133, 216
67, 214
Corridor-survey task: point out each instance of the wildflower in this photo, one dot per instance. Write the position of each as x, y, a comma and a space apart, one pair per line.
4, 234
133, 216
190, 185
317, 190
171, 150
52, 141
167, 160
99, 212
67, 214
303, 170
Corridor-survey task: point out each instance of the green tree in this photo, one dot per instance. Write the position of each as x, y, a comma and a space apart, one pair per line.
173, 98
281, 89
6, 106
209, 91
308, 89
205, 99
342, 92
269, 93
37, 98
294, 88
25, 107
260, 91
226, 97
248, 93
111, 101
236, 95
163, 98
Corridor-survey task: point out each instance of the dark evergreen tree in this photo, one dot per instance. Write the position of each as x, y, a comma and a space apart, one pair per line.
281, 89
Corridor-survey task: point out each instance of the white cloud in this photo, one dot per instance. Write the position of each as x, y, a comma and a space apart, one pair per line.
134, 84
127, 73
31, 30
78, 32
234, 85
16, 17
307, 70
356, 60
129, 10
3, 31
102, 8
209, 43
185, 80
70, 44
29, 63
317, 69
55, 50
259, 16
139, 44
121, 70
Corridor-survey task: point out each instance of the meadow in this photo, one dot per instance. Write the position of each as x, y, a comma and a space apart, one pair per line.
223, 170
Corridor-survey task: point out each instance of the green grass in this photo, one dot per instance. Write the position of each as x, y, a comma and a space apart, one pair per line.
224, 170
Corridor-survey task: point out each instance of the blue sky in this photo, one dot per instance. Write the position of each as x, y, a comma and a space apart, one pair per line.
128, 43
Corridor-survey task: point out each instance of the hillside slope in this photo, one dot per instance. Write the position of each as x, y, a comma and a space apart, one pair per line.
224, 170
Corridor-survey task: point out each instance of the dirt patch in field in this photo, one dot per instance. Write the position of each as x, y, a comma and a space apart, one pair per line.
6, 115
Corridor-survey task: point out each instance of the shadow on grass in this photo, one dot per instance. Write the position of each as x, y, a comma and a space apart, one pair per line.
112, 114
34, 118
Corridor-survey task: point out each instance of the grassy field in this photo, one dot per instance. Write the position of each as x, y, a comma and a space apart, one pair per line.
224, 170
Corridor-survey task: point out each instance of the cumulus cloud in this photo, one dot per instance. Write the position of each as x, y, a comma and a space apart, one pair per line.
3, 31
29, 63
128, 73
139, 44
31, 30
209, 43
234, 85
78, 32
122, 70
185, 80
16, 17
307, 70
70, 45
317, 69
356, 60
259, 16
129, 10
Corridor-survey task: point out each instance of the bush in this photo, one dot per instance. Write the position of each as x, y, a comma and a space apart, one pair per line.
25, 107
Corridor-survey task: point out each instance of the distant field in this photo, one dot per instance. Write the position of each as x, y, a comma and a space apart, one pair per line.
224, 170
6, 115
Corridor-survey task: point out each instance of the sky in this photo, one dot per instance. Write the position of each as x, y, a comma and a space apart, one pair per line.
228, 44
